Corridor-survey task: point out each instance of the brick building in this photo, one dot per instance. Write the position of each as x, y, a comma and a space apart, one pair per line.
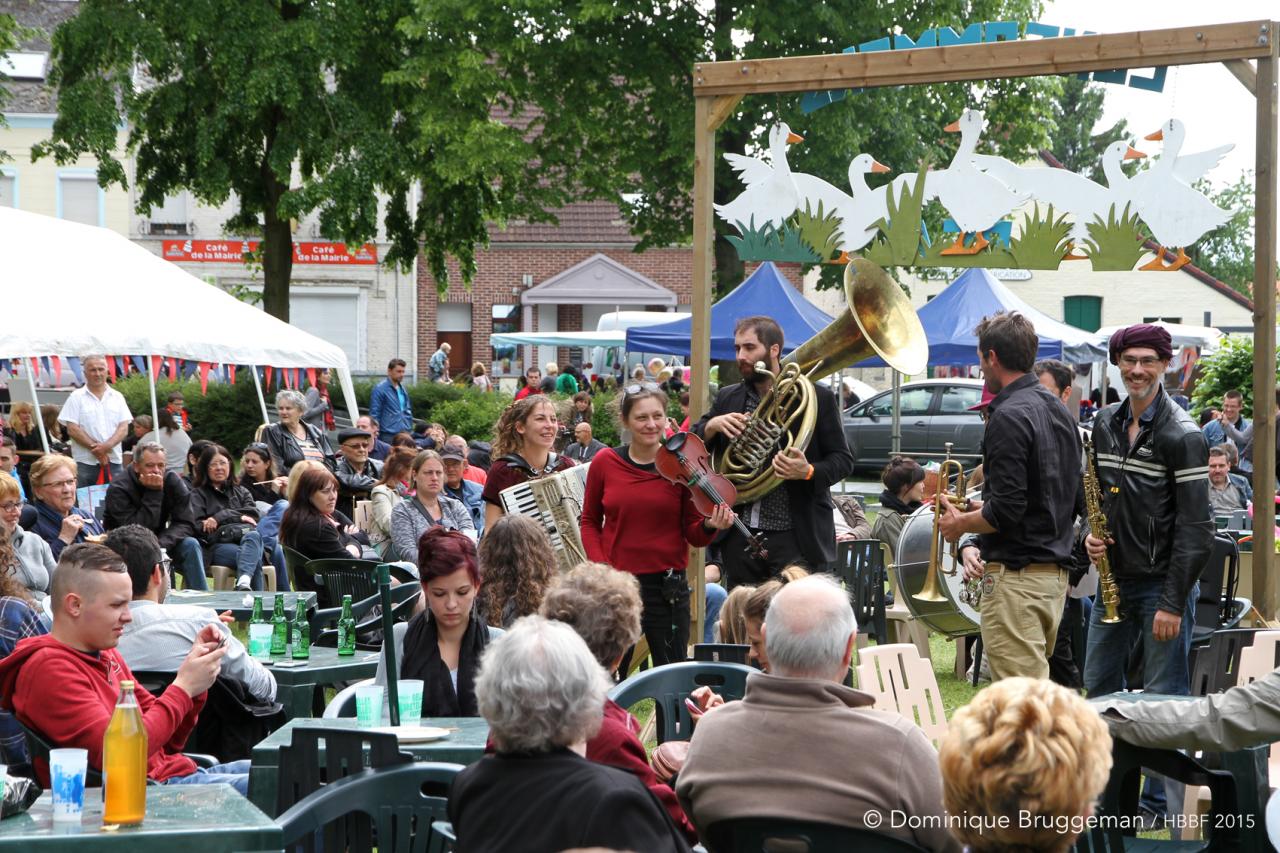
546, 278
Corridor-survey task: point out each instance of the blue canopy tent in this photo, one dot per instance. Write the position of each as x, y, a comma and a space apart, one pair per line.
766, 291
950, 317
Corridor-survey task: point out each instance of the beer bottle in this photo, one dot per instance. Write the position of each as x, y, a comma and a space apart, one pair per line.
301, 639
257, 648
279, 629
346, 629
124, 762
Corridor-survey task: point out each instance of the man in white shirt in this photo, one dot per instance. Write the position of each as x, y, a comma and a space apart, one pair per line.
160, 635
97, 419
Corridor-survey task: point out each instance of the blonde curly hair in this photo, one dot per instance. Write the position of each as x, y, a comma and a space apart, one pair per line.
1028, 750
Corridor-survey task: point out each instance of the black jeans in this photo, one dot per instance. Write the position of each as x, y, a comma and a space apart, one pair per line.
665, 617
741, 567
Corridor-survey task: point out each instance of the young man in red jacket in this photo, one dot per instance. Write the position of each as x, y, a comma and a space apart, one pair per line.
65, 684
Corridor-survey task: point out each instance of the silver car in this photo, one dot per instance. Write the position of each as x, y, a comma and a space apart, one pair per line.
933, 412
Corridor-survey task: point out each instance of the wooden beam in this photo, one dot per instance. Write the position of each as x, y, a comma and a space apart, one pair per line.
704, 235
723, 107
1022, 58
1265, 587
1243, 70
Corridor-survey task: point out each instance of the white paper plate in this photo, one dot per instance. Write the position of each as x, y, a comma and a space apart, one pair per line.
415, 734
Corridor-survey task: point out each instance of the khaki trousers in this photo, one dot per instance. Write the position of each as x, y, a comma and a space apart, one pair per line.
1020, 613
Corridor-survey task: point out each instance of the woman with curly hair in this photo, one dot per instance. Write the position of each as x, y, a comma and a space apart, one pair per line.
1025, 761
522, 450
517, 564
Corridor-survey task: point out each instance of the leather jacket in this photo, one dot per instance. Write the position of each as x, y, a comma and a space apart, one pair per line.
1155, 495
285, 450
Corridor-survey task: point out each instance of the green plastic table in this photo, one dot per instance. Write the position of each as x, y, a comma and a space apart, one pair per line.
464, 746
296, 685
232, 600
208, 818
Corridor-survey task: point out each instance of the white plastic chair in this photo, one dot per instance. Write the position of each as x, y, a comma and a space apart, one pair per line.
902, 681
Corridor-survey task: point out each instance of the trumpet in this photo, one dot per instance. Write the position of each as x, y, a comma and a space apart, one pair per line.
932, 588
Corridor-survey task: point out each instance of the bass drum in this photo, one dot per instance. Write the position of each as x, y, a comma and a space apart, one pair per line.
951, 618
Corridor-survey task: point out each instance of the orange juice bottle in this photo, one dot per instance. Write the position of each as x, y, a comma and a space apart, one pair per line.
124, 762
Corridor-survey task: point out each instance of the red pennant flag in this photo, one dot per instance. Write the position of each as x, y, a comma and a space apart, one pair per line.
111, 368
231, 373
267, 371
297, 378
204, 377
311, 376
287, 375
57, 368
156, 362
173, 370
35, 367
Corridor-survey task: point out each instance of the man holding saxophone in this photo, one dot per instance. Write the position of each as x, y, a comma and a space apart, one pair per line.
796, 519
1153, 467
1030, 495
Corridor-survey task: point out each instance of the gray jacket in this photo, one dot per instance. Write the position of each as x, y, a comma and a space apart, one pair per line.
1244, 716
35, 565
408, 524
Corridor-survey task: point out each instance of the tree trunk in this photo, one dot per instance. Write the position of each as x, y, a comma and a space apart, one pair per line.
277, 251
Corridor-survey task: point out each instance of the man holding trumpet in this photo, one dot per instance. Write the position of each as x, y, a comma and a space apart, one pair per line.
1030, 494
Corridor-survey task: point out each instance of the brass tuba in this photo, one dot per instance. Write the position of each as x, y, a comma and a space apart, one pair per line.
879, 321
931, 590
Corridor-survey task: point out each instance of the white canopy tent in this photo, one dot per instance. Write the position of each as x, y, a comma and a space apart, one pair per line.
73, 289
1183, 335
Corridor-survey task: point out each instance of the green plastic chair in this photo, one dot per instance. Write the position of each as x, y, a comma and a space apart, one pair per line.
390, 808
295, 563
668, 686
324, 631
749, 835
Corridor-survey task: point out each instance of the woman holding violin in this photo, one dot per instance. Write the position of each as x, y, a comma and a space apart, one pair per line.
638, 521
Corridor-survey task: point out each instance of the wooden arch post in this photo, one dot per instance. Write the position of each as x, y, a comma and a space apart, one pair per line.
719, 86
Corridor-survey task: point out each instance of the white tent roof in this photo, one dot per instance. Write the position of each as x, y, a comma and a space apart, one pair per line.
73, 289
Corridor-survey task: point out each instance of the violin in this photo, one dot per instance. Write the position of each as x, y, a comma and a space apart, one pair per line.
683, 459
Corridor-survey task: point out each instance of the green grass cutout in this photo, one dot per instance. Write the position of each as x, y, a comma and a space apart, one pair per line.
1043, 241
900, 243
771, 244
1115, 245
817, 230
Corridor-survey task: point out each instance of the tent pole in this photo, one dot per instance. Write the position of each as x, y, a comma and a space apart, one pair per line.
31, 381
895, 434
349, 394
155, 409
253, 370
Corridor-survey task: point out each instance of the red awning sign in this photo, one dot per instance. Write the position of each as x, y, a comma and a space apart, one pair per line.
233, 252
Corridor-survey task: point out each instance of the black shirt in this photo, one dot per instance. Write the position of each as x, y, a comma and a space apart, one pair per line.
1032, 485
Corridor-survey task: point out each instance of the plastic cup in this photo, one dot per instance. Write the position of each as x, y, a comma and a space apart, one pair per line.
260, 640
369, 705
409, 694
67, 769
4, 779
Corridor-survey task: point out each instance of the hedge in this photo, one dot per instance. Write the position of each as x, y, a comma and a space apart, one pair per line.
227, 414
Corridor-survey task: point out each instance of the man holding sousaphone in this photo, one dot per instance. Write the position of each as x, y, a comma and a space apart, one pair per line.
1031, 493
795, 516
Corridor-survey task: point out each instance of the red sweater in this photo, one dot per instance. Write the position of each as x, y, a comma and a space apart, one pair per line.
69, 696
618, 745
635, 520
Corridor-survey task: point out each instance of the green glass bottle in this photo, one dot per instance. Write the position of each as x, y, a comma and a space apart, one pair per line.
346, 629
301, 634
279, 629
258, 647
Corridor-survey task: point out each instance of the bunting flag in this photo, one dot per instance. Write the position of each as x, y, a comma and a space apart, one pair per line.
35, 367
189, 368
139, 363
204, 377
73, 364
5, 365
48, 368
267, 376
156, 363
173, 369
231, 374
297, 378
311, 376
57, 367
111, 368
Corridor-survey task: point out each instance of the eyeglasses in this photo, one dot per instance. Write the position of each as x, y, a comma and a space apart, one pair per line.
10, 506
59, 484
637, 387
1148, 361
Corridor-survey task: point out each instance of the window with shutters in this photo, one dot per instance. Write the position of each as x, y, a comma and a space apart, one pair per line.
80, 199
1083, 312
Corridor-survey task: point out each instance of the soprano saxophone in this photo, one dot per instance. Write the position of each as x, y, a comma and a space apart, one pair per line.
1098, 525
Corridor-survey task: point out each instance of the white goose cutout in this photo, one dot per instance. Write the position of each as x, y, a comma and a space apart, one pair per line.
771, 195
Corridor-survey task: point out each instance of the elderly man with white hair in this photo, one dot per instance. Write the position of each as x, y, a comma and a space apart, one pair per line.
802, 746
97, 419
542, 692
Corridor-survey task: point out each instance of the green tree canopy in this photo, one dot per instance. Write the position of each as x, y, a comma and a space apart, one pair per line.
1226, 252
1072, 140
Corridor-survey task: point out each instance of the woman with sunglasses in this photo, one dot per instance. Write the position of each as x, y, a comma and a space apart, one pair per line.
522, 450
638, 522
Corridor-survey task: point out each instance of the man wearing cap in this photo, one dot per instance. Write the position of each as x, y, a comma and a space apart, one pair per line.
1031, 488
356, 472
458, 487
1153, 468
